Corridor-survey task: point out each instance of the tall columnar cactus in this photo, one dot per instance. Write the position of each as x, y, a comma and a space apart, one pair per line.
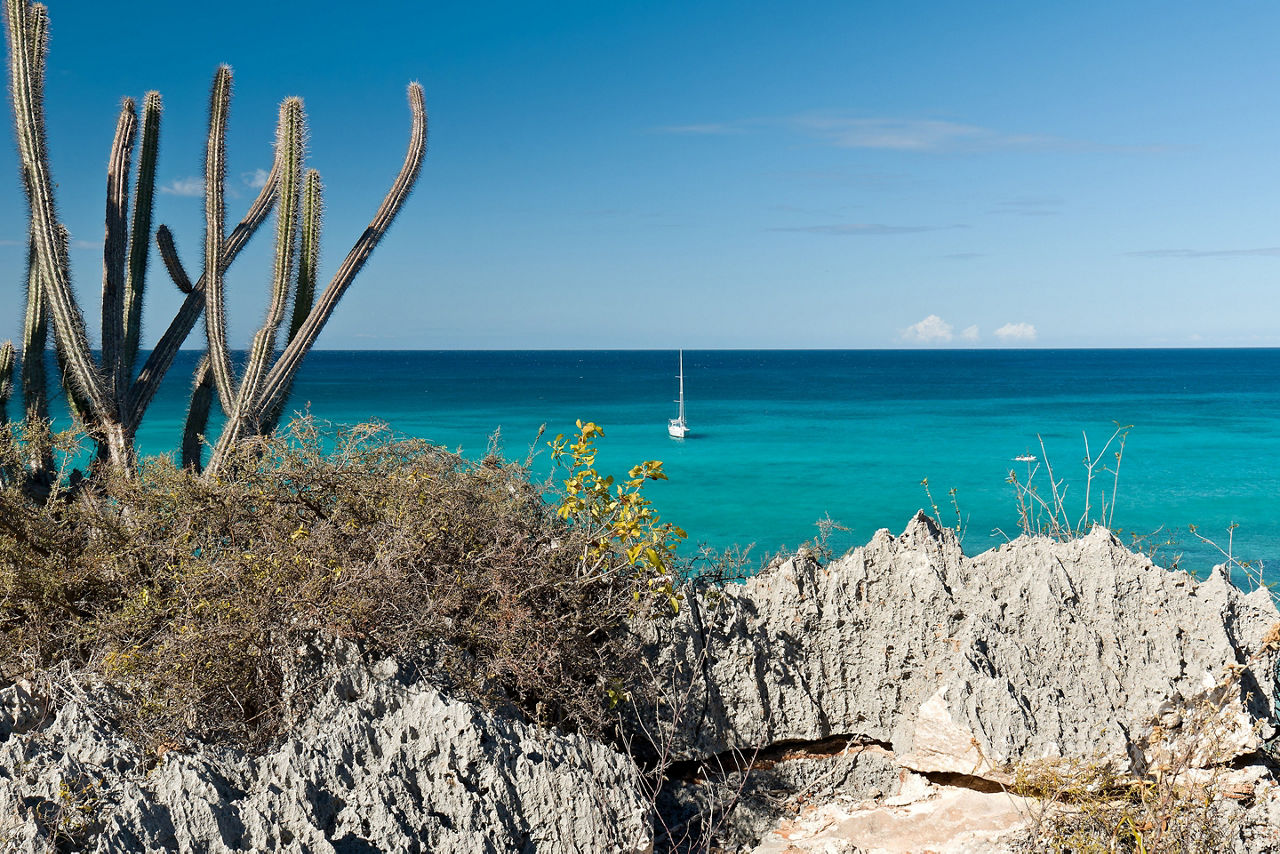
6, 380
107, 395
252, 419
253, 405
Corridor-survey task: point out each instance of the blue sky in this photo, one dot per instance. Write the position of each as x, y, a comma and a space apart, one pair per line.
753, 175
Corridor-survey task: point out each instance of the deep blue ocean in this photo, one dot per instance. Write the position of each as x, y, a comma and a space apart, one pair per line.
781, 439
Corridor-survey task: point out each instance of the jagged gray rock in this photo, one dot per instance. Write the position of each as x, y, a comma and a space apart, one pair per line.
962, 665
913, 660
377, 765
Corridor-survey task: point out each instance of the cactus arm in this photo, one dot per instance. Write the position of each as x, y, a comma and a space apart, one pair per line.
81, 408
161, 358
35, 340
304, 294
281, 376
140, 236
215, 175
172, 263
308, 251
25, 72
197, 422
6, 380
290, 151
115, 245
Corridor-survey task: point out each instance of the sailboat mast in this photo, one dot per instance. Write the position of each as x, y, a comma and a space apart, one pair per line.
682, 386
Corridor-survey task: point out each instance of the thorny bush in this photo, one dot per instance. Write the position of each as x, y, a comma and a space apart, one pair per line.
188, 595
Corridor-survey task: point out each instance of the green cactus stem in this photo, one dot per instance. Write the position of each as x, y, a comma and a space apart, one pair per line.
271, 397
161, 358
26, 62
140, 236
197, 422
215, 175
290, 151
169, 254
304, 294
308, 251
35, 341
7, 360
115, 246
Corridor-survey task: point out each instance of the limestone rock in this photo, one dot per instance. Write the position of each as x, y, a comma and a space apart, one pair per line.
376, 766
965, 665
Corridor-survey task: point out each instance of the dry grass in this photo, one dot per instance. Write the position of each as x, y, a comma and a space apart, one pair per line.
1179, 803
187, 594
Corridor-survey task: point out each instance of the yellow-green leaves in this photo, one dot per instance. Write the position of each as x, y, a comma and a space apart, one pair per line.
624, 530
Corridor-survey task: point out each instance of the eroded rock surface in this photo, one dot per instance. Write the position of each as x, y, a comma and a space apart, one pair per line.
965, 665
964, 668
377, 766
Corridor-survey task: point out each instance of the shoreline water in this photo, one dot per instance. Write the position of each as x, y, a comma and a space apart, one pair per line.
781, 439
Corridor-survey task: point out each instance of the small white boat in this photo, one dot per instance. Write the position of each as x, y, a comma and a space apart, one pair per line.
676, 427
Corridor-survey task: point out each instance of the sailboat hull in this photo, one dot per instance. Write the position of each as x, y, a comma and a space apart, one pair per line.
676, 428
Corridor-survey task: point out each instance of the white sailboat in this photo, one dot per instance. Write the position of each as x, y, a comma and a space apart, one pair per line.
676, 427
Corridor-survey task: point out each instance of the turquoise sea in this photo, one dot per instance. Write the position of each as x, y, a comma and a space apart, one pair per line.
781, 439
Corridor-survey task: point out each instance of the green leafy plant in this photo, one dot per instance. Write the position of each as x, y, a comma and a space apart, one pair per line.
617, 519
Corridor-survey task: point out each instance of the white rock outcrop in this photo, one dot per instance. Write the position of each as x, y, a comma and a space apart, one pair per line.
967, 665
376, 766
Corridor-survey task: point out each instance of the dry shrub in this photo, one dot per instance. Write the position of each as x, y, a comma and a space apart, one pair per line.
1179, 803
189, 595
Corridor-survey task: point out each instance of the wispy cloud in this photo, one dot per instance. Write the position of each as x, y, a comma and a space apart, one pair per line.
923, 135
1016, 333
190, 186
866, 229
256, 180
970, 334
894, 133
962, 256
1265, 251
931, 330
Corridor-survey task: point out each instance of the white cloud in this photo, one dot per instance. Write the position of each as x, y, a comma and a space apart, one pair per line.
191, 186
931, 330
1016, 332
257, 179
970, 333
